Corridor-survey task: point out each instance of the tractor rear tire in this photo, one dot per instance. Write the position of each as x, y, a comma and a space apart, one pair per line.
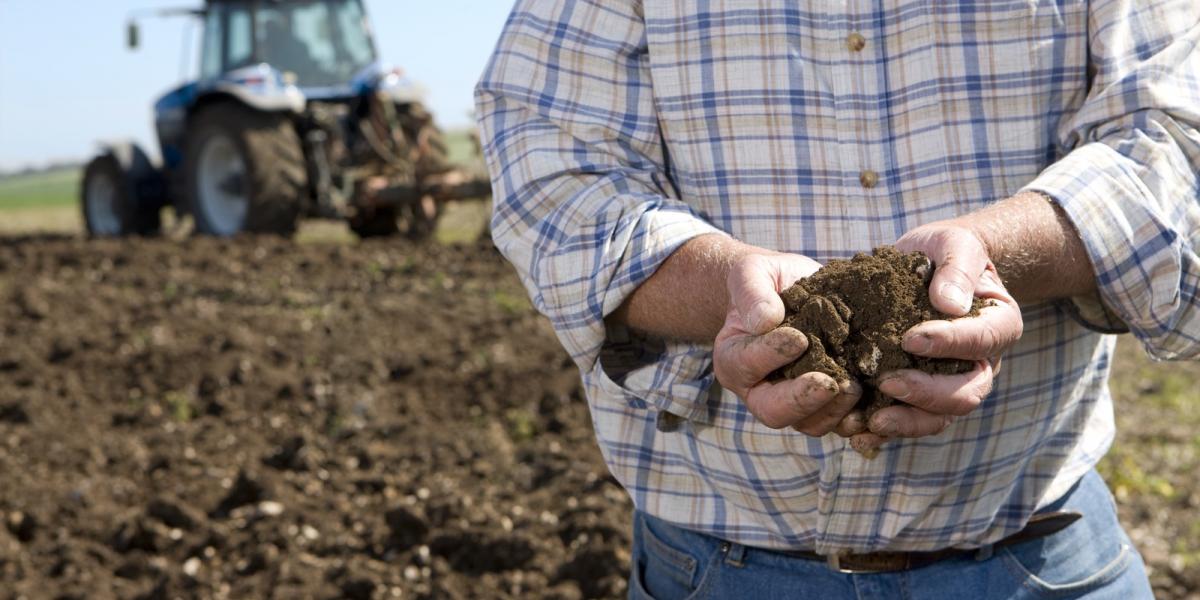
244, 171
111, 206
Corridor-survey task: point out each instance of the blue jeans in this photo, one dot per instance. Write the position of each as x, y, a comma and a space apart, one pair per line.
1093, 558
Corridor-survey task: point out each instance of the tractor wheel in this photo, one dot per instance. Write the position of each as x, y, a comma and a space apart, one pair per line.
111, 206
244, 171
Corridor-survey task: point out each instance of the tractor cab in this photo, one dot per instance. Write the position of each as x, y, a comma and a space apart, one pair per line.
321, 46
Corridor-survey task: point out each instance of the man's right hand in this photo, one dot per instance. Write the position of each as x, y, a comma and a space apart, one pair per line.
751, 345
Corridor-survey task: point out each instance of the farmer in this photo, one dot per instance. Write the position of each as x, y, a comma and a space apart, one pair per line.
663, 169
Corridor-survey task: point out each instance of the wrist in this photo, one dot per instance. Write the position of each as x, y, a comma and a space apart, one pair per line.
1004, 228
686, 298
1033, 245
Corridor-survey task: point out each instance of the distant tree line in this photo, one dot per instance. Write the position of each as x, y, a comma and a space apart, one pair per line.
42, 168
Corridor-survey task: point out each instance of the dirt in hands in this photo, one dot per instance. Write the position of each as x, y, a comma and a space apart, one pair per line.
854, 314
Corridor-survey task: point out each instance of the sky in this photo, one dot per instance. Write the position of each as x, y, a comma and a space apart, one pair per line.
67, 80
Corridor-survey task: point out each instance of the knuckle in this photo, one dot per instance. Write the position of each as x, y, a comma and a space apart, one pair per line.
905, 427
734, 367
968, 405
754, 407
724, 372
744, 373
990, 340
773, 421
983, 390
944, 340
945, 423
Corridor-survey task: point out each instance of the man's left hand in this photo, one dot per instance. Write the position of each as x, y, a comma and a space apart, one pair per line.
929, 403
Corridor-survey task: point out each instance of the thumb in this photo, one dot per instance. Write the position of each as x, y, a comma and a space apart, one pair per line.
961, 262
754, 294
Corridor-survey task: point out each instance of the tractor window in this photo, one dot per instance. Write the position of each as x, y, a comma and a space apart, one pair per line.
210, 59
321, 42
350, 19
312, 23
240, 48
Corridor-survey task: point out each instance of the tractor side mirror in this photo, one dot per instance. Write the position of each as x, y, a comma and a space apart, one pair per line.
132, 35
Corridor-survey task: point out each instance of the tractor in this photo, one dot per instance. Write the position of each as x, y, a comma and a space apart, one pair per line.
292, 116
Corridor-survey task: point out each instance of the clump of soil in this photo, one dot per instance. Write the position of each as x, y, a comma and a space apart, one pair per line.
855, 312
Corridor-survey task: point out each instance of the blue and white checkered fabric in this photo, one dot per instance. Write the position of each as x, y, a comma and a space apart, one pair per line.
616, 130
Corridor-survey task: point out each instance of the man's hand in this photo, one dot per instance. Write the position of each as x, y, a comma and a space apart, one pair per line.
751, 345
930, 402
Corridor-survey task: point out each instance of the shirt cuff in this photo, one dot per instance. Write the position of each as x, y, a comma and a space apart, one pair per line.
635, 366
1103, 199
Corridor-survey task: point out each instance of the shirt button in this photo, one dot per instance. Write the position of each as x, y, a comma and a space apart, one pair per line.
856, 42
868, 179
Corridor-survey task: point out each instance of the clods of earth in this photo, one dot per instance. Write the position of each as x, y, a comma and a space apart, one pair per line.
854, 314
258, 419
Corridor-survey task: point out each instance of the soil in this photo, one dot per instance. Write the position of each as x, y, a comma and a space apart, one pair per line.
258, 419
854, 314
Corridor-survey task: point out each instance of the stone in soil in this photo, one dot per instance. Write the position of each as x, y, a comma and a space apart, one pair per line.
854, 314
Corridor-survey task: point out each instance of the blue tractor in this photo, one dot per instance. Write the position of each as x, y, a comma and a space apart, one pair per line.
292, 116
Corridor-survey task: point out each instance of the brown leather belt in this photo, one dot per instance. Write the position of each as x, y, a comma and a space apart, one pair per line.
1039, 526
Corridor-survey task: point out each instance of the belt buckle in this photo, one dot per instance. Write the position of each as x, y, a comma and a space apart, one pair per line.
834, 562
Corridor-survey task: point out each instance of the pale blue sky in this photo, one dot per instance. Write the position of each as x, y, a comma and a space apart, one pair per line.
66, 79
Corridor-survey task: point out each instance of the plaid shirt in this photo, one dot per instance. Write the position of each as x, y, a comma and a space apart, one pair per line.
616, 130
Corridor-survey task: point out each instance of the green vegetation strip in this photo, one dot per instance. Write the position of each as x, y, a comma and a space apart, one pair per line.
37, 190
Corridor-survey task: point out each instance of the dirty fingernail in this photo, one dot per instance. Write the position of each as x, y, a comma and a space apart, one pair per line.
853, 423
789, 341
884, 427
860, 446
955, 295
895, 387
917, 344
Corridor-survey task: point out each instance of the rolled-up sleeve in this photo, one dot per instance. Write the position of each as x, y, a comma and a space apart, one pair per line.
583, 206
1129, 178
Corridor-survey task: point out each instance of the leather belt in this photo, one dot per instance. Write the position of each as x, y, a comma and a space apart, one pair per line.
1039, 526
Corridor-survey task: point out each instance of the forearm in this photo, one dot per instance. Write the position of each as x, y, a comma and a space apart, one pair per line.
1035, 248
686, 298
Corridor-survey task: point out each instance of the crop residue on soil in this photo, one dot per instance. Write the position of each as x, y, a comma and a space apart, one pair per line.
854, 314
258, 419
